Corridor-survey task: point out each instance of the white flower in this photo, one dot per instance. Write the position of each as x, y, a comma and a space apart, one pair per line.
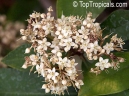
108, 47
40, 69
66, 31
119, 41
48, 28
40, 49
84, 32
54, 59
55, 43
71, 71
78, 38
36, 25
43, 44
67, 43
52, 74
34, 15
34, 58
103, 63
57, 51
85, 44
94, 47
79, 83
62, 62
71, 63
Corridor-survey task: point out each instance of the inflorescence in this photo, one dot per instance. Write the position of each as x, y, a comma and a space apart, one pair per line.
55, 42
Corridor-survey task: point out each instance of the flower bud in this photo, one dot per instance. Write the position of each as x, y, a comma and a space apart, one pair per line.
44, 86
47, 90
27, 50
59, 54
24, 37
24, 66
121, 59
84, 22
64, 82
22, 31
95, 57
102, 51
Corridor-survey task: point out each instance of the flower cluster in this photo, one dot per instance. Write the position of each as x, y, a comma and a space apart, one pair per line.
55, 42
9, 32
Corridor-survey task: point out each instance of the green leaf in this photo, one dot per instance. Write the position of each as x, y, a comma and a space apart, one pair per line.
117, 23
19, 13
78, 7
15, 58
103, 84
126, 45
19, 83
123, 93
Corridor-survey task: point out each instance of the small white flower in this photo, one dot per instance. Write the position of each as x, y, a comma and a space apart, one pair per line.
79, 83
108, 47
48, 28
84, 32
52, 74
36, 25
55, 43
66, 31
78, 38
43, 44
103, 63
94, 47
54, 59
67, 44
56, 51
34, 58
62, 62
40, 69
85, 44
35, 14
71, 71
71, 63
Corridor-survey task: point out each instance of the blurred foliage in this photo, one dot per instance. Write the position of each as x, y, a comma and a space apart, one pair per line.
14, 11
19, 10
